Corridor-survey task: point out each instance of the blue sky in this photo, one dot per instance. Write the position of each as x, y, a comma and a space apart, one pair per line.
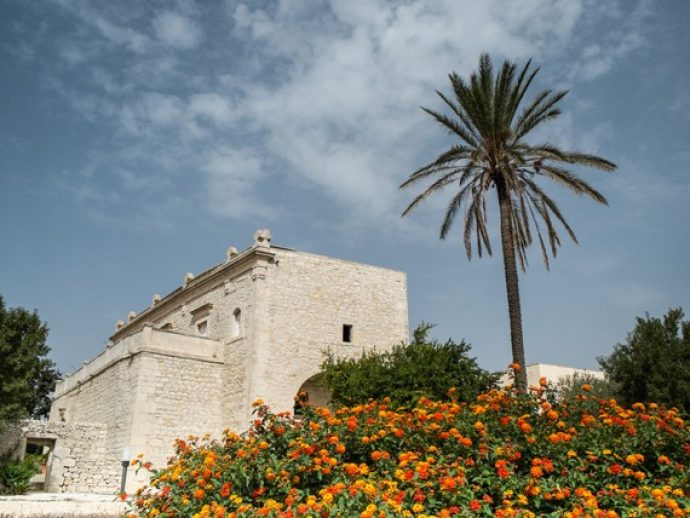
138, 140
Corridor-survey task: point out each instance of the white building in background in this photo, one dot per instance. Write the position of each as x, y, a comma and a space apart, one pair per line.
553, 373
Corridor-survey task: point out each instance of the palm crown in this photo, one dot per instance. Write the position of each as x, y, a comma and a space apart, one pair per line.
492, 153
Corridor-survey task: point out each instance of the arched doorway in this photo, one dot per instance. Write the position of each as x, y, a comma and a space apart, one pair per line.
312, 392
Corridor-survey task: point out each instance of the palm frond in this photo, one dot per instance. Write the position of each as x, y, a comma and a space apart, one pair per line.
452, 126
435, 187
483, 101
539, 113
470, 220
501, 97
455, 203
544, 253
572, 182
591, 161
460, 113
454, 154
541, 196
520, 89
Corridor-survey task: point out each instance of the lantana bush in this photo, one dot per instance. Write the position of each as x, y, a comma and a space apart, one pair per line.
503, 455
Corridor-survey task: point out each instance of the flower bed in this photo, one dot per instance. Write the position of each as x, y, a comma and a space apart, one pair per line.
503, 455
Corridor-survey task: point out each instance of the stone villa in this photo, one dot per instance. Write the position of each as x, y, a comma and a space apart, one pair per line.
254, 326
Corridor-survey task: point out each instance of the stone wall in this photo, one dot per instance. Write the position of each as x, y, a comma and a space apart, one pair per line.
144, 391
78, 461
176, 397
308, 298
105, 398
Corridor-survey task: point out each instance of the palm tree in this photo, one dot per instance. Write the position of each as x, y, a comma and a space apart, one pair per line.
491, 153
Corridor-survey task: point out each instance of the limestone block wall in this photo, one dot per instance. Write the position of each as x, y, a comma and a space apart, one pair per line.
176, 397
302, 307
144, 391
224, 296
104, 397
78, 462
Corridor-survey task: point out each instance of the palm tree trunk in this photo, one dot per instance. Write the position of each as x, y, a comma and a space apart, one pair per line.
512, 287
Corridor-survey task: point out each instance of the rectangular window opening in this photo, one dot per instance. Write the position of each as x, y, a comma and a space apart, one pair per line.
347, 333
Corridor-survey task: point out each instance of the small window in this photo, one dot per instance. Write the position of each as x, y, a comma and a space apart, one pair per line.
237, 323
347, 333
202, 328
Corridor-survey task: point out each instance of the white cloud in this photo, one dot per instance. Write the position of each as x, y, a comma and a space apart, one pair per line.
157, 115
346, 117
625, 37
122, 35
177, 31
233, 178
213, 107
330, 91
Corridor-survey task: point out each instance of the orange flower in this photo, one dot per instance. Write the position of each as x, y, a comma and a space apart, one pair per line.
615, 469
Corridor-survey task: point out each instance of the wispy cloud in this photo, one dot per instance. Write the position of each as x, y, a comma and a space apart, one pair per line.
328, 94
177, 31
625, 36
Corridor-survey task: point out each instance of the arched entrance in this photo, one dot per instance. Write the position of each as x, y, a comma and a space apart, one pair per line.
312, 392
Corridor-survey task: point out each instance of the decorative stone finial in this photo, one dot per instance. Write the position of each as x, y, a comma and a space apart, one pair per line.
232, 253
156, 299
131, 316
119, 324
188, 277
262, 238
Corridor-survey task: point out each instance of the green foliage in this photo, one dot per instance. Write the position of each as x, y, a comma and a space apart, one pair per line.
423, 368
27, 377
15, 475
570, 387
654, 363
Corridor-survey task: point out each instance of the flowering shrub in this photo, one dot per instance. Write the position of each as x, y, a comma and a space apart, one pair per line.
503, 455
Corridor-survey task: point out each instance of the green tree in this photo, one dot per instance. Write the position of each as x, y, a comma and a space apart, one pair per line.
424, 367
570, 387
27, 376
653, 365
492, 153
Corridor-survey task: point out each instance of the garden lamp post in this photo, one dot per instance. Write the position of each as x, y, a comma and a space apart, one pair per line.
125, 465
